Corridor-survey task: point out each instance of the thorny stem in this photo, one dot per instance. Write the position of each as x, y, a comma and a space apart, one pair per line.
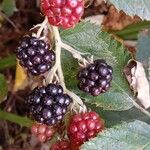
58, 67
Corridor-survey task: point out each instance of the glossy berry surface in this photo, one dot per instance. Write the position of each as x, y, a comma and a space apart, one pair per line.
48, 104
63, 13
83, 127
34, 55
42, 132
63, 145
95, 78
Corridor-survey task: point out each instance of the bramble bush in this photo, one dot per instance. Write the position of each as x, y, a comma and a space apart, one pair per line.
93, 88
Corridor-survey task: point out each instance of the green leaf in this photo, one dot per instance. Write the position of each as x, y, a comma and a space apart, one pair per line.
143, 50
134, 7
131, 32
131, 136
3, 87
7, 62
88, 38
8, 6
112, 118
22, 121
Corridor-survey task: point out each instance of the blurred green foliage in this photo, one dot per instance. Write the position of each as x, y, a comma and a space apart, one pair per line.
8, 7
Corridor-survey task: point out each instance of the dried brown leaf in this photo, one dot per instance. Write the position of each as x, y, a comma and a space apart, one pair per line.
98, 19
136, 76
117, 20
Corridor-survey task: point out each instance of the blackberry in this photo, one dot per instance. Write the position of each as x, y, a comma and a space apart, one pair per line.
48, 104
63, 13
34, 55
95, 78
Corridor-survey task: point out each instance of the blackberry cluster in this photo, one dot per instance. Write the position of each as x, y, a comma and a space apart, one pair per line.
42, 132
34, 55
95, 78
83, 127
63, 13
48, 104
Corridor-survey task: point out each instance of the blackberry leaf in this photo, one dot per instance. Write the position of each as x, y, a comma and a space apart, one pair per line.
134, 135
116, 117
89, 38
143, 51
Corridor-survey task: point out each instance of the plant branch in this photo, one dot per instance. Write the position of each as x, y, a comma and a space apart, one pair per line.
43, 25
51, 74
58, 67
76, 54
58, 56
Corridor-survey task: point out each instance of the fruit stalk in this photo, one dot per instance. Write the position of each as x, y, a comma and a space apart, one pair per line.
42, 26
57, 67
76, 54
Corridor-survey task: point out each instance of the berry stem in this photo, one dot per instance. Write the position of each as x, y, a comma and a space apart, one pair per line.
75, 98
43, 25
76, 54
51, 74
58, 67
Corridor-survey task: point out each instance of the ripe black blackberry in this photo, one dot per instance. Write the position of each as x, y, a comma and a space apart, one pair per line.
95, 78
48, 104
34, 55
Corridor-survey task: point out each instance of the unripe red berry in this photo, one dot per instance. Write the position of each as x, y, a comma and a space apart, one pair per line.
91, 124
94, 115
34, 129
63, 13
61, 145
77, 118
91, 134
41, 137
42, 132
83, 127
50, 132
42, 129
73, 128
